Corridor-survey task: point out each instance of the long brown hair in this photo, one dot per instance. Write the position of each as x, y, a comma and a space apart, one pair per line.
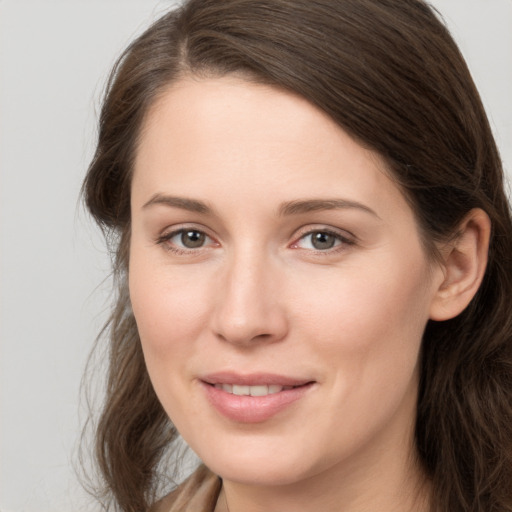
389, 73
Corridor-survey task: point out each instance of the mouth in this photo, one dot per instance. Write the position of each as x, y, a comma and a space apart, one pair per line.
256, 390
254, 398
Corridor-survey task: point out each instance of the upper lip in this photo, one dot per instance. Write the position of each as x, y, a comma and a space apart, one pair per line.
254, 379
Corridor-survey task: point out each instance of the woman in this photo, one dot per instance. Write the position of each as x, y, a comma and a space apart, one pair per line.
312, 251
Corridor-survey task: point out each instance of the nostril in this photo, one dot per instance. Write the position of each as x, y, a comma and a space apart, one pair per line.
241, 318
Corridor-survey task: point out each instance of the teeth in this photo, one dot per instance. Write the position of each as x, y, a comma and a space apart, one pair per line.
241, 390
261, 390
258, 390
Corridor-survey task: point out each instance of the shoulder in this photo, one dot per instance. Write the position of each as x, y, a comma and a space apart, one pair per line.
198, 493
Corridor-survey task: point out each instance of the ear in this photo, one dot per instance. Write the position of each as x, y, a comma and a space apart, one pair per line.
464, 260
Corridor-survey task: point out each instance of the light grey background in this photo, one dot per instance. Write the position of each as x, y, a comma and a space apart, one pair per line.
54, 58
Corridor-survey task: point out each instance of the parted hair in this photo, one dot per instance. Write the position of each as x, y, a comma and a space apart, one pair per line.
389, 73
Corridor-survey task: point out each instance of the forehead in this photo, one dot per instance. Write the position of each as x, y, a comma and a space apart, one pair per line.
209, 135
210, 111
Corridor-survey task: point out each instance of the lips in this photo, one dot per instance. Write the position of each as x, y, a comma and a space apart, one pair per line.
254, 379
253, 398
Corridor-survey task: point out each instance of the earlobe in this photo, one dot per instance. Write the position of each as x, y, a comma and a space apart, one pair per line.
464, 263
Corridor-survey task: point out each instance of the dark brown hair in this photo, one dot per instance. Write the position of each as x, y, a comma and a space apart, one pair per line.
389, 73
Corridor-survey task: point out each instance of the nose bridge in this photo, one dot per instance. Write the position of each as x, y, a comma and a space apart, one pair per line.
249, 306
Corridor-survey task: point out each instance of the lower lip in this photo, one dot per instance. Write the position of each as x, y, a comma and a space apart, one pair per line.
252, 409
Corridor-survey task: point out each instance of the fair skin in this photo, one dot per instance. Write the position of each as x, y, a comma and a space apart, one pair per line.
266, 241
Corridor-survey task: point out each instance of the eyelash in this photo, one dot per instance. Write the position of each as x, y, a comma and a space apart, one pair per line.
341, 241
165, 238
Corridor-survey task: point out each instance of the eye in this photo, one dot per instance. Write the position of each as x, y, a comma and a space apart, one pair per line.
185, 239
190, 238
321, 240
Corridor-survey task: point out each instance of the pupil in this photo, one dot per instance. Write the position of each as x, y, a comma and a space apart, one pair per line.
323, 240
192, 239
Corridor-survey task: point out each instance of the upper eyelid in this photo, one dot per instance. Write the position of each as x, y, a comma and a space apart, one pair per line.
319, 228
177, 228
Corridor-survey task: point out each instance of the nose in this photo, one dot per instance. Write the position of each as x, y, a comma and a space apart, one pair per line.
249, 306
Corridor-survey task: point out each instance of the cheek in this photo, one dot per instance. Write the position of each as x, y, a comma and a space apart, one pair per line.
367, 334
369, 323
170, 309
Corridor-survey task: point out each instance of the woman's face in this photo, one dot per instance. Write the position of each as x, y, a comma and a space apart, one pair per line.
279, 285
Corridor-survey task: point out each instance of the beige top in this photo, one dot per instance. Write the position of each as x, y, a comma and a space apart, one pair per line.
198, 493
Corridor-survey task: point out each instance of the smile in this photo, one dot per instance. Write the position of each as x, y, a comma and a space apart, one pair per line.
253, 398
258, 390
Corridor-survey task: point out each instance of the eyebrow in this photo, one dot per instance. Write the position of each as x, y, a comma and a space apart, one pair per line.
191, 205
295, 207
310, 205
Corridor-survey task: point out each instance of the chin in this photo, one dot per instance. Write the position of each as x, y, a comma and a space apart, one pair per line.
258, 473
261, 466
